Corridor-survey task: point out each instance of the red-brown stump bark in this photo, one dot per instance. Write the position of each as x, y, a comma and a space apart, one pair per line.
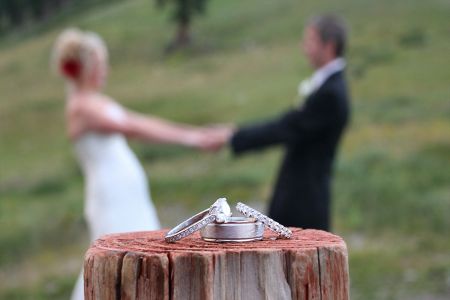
141, 265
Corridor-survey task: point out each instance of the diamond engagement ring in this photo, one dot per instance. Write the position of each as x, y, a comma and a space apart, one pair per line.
271, 224
219, 212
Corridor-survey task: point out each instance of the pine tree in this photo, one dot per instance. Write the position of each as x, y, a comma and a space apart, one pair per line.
183, 13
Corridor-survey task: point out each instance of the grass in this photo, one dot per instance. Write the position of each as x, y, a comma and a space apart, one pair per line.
391, 191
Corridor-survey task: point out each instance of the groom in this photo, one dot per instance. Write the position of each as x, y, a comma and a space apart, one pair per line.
310, 133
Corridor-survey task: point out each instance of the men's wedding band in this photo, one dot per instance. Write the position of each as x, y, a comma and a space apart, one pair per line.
237, 229
271, 224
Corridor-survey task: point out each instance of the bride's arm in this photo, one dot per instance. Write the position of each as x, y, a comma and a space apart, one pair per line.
113, 118
158, 130
155, 129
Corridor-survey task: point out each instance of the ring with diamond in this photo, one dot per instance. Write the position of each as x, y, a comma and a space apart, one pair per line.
271, 224
219, 212
237, 229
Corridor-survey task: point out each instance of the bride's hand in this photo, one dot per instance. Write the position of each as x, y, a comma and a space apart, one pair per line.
213, 138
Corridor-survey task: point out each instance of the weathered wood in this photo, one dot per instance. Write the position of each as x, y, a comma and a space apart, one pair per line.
141, 265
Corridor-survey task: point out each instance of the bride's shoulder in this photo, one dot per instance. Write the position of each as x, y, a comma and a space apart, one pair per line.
106, 109
103, 102
92, 112
87, 104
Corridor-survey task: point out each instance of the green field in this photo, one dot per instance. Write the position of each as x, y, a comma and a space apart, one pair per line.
392, 179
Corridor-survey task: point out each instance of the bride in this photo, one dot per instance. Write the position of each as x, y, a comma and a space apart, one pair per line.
117, 197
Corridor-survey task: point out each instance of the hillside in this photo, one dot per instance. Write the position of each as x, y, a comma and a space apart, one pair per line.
391, 193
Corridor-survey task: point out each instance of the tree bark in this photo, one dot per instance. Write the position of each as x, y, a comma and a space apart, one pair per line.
182, 38
312, 264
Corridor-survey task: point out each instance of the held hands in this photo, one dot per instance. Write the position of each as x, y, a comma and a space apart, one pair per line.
212, 138
217, 136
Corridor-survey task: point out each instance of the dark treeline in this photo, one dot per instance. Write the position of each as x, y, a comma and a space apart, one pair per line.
16, 13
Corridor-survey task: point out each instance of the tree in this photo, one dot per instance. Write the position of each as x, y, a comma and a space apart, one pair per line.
13, 11
38, 8
183, 13
16, 13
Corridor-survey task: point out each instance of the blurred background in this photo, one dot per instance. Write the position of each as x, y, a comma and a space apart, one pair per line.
242, 62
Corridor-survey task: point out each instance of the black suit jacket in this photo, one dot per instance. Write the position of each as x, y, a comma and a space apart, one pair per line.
310, 134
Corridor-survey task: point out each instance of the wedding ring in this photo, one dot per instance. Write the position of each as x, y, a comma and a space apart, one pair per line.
218, 212
271, 224
237, 229
189, 226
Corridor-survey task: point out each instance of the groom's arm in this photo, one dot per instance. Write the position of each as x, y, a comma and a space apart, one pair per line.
293, 127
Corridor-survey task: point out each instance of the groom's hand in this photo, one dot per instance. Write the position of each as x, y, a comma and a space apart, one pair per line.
217, 136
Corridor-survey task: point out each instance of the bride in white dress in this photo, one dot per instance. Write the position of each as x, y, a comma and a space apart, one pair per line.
117, 197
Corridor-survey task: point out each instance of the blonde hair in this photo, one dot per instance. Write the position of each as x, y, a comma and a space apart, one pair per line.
74, 45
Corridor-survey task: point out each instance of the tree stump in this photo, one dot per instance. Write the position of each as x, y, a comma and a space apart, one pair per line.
141, 265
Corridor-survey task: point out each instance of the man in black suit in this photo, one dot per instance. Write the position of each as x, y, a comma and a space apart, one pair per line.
310, 132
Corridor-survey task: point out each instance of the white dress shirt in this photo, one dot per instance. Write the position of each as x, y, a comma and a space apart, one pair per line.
309, 86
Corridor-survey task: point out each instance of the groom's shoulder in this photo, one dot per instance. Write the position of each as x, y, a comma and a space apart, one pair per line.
335, 85
335, 81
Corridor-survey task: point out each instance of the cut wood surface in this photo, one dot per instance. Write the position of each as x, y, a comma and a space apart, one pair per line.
312, 264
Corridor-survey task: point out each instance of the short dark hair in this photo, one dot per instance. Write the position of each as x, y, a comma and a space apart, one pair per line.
331, 28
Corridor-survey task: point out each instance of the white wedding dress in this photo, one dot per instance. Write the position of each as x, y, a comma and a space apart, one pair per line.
117, 195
